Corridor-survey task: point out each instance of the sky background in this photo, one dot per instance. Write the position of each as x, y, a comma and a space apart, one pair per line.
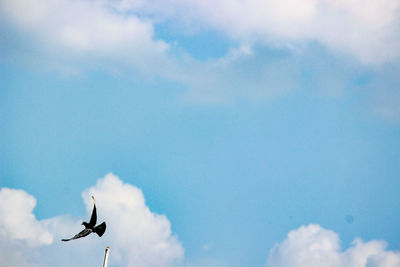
212, 133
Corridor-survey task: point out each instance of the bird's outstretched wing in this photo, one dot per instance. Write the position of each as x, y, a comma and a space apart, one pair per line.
83, 233
93, 218
100, 229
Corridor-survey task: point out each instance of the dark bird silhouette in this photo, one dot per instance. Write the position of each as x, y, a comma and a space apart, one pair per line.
90, 227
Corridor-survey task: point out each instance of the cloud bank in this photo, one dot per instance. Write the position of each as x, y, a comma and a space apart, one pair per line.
137, 236
367, 30
271, 45
314, 246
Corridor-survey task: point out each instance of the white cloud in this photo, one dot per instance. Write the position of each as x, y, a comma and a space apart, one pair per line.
83, 33
82, 25
368, 30
314, 246
119, 35
17, 222
137, 236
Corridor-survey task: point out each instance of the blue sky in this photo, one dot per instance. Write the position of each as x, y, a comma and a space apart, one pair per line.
239, 123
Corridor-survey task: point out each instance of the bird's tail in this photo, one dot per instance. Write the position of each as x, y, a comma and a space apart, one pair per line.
100, 229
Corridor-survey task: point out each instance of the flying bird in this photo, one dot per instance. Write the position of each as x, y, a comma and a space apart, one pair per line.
90, 227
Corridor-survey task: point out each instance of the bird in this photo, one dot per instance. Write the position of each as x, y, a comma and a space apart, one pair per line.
90, 227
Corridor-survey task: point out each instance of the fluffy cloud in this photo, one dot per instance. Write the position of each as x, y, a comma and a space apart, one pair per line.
17, 222
137, 236
313, 246
143, 238
82, 25
78, 32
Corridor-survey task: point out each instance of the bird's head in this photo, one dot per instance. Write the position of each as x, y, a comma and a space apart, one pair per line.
85, 224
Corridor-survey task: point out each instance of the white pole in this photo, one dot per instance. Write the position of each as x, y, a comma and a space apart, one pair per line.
106, 256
